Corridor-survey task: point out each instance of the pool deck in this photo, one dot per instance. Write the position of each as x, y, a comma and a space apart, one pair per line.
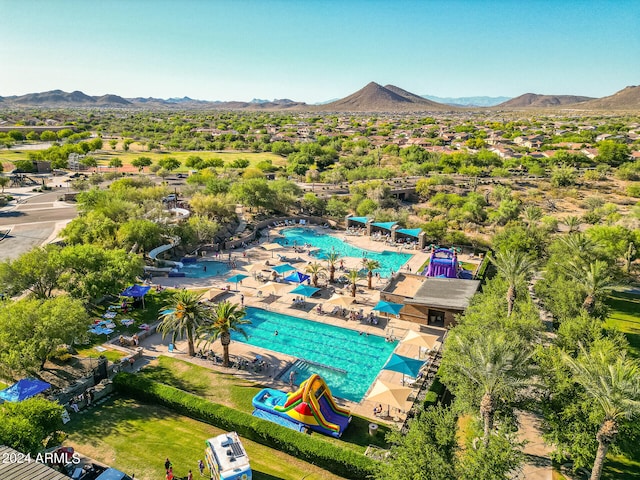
278, 362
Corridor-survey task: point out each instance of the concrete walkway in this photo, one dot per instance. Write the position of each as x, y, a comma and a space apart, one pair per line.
538, 466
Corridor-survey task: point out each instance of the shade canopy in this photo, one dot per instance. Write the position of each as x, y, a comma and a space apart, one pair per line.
212, 293
343, 301
420, 339
254, 267
25, 388
304, 290
388, 307
405, 365
359, 219
236, 278
384, 225
136, 291
285, 267
411, 232
297, 277
272, 246
274, 288
390, 394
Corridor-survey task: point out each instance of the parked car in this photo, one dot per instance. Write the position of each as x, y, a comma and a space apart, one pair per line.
172, 197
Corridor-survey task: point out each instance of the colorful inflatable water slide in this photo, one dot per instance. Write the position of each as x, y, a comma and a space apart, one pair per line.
311, 406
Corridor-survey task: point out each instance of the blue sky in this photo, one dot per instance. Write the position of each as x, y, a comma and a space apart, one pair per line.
313, 51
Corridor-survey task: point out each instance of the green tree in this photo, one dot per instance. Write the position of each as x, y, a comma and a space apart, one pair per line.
353, 276
332, 259
316, 270
612, 382
499, 459
594, 279
115, 163
493, 364
4, 181
515, 267
182, 316
28, 426
336, 208
613, 153
142, 233
225, 318
113, 144
31, 329
370, 265
37, 271
169, 163
427, 450
141, 162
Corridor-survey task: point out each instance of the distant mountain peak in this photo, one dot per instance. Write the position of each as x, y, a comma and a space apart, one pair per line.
536, 100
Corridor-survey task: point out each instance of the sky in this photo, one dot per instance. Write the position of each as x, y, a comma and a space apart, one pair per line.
318, 50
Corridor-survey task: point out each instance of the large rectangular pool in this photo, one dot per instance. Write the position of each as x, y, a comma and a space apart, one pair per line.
348, 360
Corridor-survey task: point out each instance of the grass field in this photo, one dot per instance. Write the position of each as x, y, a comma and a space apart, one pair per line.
625, 316
237, 393
136, 438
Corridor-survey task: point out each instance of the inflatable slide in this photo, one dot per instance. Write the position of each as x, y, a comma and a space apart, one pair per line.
311, 406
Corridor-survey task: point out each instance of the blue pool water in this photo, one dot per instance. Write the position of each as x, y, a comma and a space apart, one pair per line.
348, 362
328, 243
197, 270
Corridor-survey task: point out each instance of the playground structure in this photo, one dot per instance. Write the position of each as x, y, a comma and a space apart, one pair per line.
226, 458
311, 406
443, 263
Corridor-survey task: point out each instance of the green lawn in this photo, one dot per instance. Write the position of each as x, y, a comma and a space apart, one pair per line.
236, 392
110, 354
136, 438
625, 316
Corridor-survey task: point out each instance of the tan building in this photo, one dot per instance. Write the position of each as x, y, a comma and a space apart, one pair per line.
430, 300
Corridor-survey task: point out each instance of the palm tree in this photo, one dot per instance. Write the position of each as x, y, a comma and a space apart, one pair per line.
316, 270
573, 223
353, 276
370, 266
612, 381
182, 316
515, 267
499, 367
226, 317
594, 278
579, 245
531, 215
332, 260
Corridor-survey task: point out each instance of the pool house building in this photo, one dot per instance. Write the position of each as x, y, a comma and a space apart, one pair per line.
431, 301
392, 229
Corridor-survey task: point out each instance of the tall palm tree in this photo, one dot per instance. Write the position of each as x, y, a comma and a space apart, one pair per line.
226, 317
353, 276
370, 266
579, 245
332, 259
613, 382
316, 270
594, 278
515, 267
182, 316
496, 365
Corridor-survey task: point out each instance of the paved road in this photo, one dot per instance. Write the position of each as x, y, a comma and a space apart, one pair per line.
35, 220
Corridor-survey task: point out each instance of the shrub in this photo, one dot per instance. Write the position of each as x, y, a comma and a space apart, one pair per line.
342, 462
435, 391
633, 190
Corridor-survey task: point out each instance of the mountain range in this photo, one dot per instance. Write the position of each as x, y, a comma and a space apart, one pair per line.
371, 98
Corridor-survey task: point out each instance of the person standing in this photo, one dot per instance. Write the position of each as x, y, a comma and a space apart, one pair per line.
292, 377
167, 464
190, 476
201, 467
242, 300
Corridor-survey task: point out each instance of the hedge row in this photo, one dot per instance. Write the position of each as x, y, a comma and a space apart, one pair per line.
341, 461
435, 391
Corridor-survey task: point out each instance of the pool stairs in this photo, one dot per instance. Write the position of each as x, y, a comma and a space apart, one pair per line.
301, 362
279, 420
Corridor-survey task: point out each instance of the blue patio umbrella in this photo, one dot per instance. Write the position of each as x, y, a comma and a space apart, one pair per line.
25, 388
285, 267
305, 290
388, 307
236, 278
405, 365
297, 277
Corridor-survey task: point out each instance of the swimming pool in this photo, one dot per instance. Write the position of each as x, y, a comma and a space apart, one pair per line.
348, 361
198, 270
328, 243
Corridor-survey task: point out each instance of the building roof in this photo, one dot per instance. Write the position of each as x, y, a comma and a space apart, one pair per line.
25, 467
453, 293
448, 293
